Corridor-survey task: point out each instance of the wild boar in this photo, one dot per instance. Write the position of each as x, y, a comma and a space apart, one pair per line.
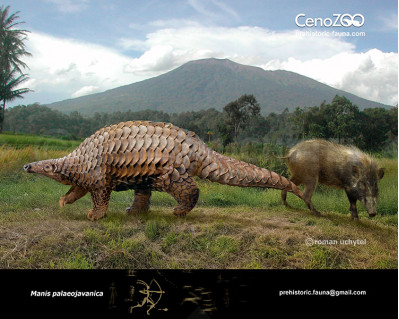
319, 161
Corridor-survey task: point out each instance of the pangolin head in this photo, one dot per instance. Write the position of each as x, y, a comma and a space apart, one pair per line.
49, 168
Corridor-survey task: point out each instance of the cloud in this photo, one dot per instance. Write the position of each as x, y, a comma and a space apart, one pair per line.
156, 59
69, 6
248, 45
88, 89
372, 74
326, 58
214, 9
389, 21
66, 68
376, 77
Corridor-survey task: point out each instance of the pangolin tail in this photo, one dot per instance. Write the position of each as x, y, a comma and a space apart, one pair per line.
225, 170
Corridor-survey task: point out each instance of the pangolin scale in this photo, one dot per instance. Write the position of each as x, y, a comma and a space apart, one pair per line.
149, 156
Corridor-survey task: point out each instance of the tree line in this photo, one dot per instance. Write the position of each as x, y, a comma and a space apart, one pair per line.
240, 122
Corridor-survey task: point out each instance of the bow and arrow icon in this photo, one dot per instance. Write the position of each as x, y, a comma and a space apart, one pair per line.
149, 295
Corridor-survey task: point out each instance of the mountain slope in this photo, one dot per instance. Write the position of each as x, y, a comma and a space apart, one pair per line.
210, 83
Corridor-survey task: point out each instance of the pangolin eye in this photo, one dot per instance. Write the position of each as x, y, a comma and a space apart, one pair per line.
47, 168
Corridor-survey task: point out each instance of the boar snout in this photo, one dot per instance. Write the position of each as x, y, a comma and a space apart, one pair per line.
370, 203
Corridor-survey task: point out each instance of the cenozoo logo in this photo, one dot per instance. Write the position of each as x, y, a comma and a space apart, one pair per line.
339, 20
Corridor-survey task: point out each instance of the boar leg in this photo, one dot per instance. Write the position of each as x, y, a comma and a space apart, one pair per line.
352, 207
73, 195
141, 202
100, 199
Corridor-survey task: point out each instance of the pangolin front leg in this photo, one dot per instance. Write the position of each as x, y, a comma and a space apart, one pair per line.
186, 193
74, 193
141, 202
100, 199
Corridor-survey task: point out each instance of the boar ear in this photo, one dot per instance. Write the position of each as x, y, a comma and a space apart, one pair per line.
381, 173
356, 172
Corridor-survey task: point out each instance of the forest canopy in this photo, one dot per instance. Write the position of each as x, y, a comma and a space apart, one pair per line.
371, 129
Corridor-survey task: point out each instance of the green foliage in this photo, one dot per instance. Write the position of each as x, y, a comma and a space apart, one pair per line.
225, 133
378, 127
12, 48
323, 258
43, 142
12, 45
76, 261
239, 112
373, 130
154, 228
341, 119
223, 246
260, 154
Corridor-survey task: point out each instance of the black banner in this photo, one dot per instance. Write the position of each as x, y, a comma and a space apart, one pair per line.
200, 293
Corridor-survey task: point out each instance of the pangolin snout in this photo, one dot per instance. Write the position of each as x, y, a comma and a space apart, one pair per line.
27, 167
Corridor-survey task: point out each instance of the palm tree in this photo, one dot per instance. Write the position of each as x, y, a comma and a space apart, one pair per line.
12, 45
12, 48
9, 82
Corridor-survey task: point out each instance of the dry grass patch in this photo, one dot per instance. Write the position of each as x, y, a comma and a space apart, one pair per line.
234, 237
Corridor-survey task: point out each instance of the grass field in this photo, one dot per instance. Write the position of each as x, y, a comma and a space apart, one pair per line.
24, 140
229, 228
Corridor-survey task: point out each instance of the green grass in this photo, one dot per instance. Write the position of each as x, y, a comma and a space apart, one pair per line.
24, 140
230, 227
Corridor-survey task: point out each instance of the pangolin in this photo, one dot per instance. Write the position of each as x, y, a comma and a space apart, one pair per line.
149, 156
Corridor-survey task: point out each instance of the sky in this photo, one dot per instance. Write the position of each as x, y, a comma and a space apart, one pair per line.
81, 47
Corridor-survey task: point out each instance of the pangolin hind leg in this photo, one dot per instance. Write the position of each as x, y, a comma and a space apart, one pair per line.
100, 198
141, 202
186, 193
297, 182
74, 193
308, 192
